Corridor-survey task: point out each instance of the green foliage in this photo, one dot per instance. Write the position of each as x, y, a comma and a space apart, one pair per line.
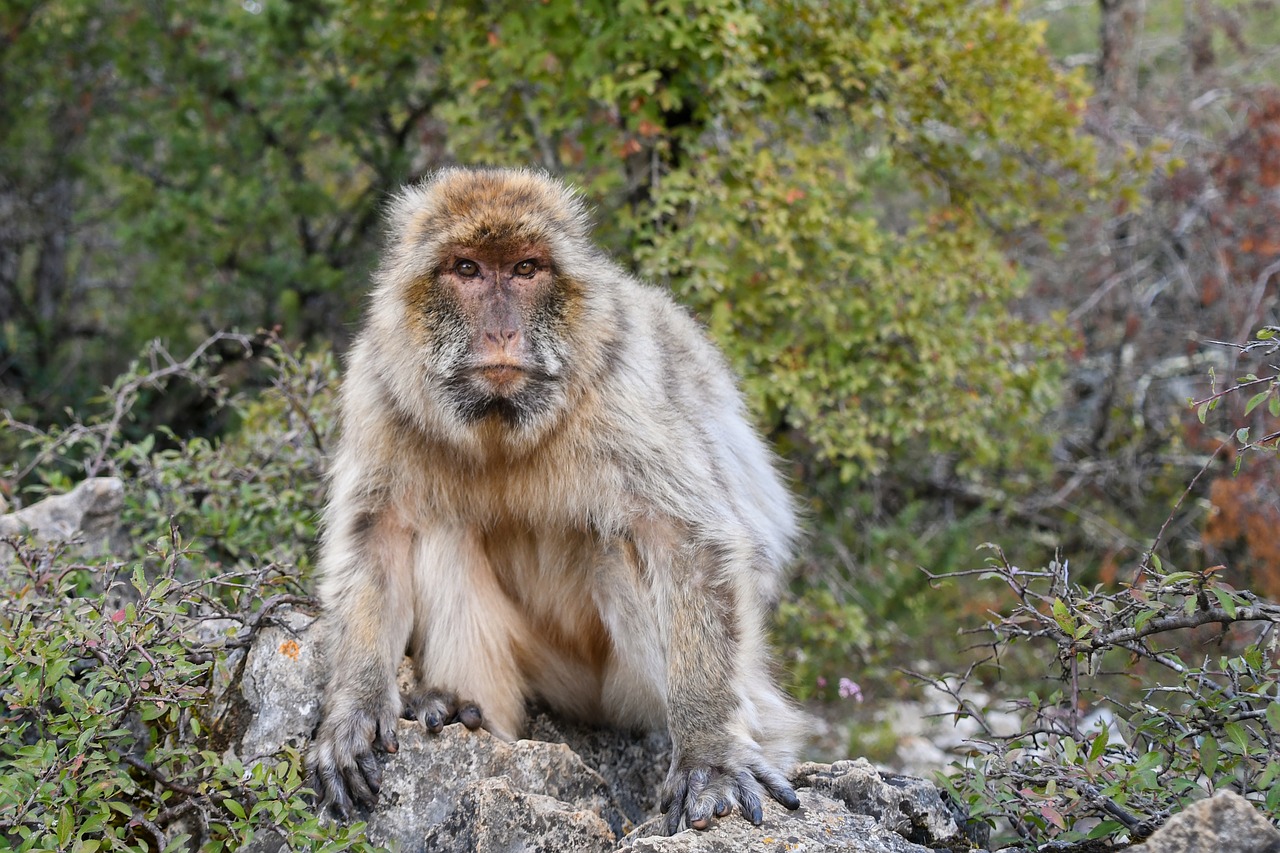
759, 145
105, 697
106, 671
251, 497
824, 639
1181, 724
827, 185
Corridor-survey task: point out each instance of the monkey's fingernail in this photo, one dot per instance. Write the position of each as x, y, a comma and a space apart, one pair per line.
756, 814
722, 808
701, 823
788, 798
434, 722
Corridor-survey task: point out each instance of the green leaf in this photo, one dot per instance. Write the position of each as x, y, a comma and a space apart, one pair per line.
1256, 400
1209, 755
1242, 435
1273, 716
1225, 600
1239, 736
1062, 616
1099, 746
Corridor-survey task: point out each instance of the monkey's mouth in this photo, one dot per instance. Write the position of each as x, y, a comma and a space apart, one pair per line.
502, 379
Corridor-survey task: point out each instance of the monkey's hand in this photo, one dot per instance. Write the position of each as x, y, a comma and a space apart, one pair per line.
698, 791
344, 770
435, 709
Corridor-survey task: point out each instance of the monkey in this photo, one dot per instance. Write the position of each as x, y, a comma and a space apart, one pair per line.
546, 488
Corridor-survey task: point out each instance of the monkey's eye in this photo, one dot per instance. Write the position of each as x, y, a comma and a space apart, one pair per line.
466, 268
526, 267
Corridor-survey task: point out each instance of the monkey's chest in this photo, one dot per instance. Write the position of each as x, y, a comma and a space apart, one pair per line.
557, 493
550, 577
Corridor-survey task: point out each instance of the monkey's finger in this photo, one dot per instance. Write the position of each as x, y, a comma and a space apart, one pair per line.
386, 738
435, 709
673, 803
777, 786
359, 786
673, 821
371, 770
723, 808
334, 796
700, 802
469, 715
749, 802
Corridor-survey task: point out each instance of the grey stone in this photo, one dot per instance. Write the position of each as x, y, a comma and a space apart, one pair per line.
820, 825
428, 782
1224, 823
280, 686
567, 789
913, 808
493, 816
89, 513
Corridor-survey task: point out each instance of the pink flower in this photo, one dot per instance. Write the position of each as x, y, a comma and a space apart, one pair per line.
850, 690
822, 682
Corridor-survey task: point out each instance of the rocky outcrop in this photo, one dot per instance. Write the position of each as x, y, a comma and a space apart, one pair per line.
1224, 823
568, 788
89, 513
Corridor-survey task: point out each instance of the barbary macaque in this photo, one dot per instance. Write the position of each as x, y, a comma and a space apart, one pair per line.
547, 488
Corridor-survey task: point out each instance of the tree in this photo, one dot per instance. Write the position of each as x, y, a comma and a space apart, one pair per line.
828, 185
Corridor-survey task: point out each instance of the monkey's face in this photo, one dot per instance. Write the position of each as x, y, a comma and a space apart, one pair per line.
486, 282
497, 315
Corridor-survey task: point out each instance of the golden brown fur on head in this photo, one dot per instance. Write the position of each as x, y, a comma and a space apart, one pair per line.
494, 208
547, 486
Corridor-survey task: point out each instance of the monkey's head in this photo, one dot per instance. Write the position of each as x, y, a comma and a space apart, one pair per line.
488, 284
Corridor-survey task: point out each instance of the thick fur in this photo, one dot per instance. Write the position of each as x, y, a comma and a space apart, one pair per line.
608, 540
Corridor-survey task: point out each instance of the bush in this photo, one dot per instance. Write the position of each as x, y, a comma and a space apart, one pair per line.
109, 666
1179, 667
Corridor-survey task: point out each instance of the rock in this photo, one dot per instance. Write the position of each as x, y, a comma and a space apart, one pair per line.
276, 699
568, 789
913, 808
494, 817
820, 825
1224, 823
90, 513
432, 781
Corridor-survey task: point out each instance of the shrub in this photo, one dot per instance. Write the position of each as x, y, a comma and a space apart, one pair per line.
107, 674
1181, 669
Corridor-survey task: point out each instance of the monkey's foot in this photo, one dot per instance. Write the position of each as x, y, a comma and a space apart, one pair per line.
343, 769
700, 793
436, 709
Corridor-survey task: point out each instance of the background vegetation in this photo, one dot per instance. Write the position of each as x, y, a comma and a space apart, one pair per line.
970, 259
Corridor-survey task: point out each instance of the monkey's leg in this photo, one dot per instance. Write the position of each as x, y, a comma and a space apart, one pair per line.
368, 613
715, 657
465, 638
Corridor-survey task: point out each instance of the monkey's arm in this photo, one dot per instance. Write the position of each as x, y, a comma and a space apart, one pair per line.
719, 696
366, 592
